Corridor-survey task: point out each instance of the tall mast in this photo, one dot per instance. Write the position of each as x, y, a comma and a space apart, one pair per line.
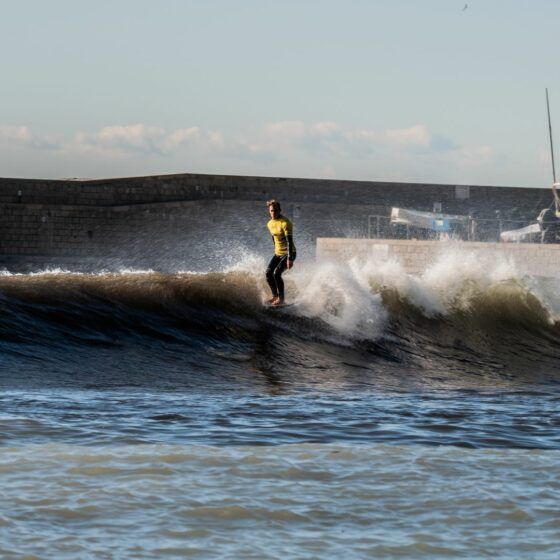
550, 136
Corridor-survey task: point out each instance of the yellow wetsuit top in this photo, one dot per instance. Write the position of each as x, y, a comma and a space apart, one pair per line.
281, 230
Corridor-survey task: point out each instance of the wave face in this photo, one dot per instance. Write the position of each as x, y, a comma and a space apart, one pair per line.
478, 342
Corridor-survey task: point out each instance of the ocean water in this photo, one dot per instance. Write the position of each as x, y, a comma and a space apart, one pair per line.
384, 415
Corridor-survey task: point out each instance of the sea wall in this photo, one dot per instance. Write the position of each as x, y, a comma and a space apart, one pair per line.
191, 219
417, 256
189, 186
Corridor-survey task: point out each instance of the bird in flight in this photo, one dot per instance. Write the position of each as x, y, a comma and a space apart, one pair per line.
465, 7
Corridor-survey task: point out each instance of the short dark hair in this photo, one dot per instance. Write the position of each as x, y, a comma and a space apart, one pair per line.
274, 203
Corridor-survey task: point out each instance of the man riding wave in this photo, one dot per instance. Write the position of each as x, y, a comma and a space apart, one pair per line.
281, 230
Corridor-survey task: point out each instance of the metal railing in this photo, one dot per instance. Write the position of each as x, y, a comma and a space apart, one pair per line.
473, 229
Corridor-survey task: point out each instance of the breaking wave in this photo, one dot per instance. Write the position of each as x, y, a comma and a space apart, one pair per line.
461, 314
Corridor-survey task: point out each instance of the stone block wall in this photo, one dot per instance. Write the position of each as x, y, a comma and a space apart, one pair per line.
198, 221
171, 188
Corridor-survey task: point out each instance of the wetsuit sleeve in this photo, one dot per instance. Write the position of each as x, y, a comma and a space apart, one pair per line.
289, 233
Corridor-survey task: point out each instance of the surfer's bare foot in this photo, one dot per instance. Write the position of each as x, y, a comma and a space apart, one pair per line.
271, 300
277, 301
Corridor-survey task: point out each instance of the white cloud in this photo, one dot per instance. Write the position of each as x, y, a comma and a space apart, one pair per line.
119, 139
364, 135
22, 135
288, 147
11, 132
326, 138
182, 136
416, 136
324, 129
128, 140
216, 139
276, 140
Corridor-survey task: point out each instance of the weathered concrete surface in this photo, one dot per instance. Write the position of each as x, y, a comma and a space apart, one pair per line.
417, 256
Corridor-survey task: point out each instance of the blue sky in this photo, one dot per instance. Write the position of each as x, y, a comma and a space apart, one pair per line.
413, 90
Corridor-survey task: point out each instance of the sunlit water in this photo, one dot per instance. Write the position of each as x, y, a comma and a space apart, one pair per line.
147, 415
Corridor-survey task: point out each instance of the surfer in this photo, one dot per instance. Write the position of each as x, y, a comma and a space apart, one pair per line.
281, 230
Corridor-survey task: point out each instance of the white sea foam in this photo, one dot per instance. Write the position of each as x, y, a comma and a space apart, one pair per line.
340, 297
345, 294
47, 271
391, 274
456, 274
246, 261
547, 291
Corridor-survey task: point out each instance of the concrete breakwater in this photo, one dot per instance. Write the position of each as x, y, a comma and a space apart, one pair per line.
416, 256
153, 221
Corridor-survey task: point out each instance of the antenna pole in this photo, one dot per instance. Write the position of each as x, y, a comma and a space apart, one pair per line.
550, 136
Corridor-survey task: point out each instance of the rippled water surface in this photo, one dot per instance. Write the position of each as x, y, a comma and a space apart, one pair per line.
295, 501
465, 419
384, 415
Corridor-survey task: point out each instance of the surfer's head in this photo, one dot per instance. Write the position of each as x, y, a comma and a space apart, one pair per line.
273, 208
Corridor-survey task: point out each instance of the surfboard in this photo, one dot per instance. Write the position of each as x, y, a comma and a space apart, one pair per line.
283, 306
